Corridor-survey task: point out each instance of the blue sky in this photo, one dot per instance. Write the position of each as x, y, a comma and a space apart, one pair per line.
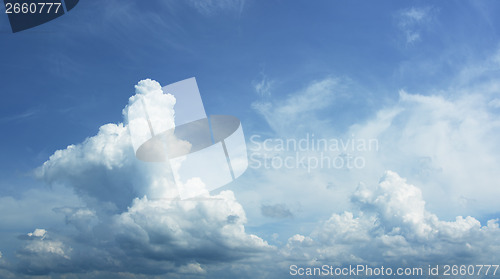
419, 76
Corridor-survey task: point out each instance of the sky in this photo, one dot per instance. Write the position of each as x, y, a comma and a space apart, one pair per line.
405, 95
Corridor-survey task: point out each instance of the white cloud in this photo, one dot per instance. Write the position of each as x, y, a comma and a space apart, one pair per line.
442, 143
114, 229
40, 254
411, 21
394, 227
296, 112
22, 116
481, 77
397, 203
264, 86
414, 15
213, 7
192, 268
188, 229
445, 145
30, 208
495, 103
128, 220
41, 233
103, 169
152, 104
47, 247
99, 169
82, 218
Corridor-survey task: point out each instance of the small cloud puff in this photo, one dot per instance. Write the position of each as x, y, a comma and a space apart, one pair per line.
412, 20
276, 211
40, 233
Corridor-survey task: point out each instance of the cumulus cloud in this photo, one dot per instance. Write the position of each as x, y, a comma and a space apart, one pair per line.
42, 248
41, 233
130, 223
444, 144
103, 170
130, 220
81, 218
42, 253
187, 230
150, 111
192, 268
393, 226
97, 169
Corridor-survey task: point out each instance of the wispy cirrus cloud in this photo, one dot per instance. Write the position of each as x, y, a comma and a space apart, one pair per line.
213, 7
413, 21
21, 116
263, 87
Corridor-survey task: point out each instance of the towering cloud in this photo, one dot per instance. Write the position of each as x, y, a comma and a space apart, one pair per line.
131, 220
